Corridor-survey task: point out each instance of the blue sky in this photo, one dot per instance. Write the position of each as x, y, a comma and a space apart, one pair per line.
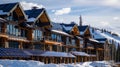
97, 13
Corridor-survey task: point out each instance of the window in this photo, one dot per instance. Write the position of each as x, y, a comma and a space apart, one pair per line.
59, 38
53, 36
11, 30
37, 34
67, 41
81, 41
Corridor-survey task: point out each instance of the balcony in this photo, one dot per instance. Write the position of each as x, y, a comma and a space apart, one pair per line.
49, 40
18, 38
37, 39
2, 33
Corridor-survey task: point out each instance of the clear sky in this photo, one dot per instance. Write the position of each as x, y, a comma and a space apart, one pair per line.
97, 13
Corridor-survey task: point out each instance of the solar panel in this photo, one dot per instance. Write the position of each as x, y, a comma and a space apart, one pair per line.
12, 52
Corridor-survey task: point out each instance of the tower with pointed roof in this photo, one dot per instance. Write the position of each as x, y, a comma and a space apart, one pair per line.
80, 22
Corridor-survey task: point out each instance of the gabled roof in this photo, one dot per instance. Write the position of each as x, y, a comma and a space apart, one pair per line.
82, 28
7, 7
56, 26
67, 27
33, 13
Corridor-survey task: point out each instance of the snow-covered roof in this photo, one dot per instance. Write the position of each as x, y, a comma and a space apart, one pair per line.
12, 52
91, 39
92, 55
68, 28
2, 20
79, 53
3, 13
102, 40
79, 37
56, 26
57, 54
60, 32
32, 19
81, 32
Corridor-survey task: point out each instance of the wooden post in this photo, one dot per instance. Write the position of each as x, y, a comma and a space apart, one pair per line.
50, 47
85, 59
46, 59
75, 60
6, 44
20, 45
70, 60
97, 55
67, 60
61, 59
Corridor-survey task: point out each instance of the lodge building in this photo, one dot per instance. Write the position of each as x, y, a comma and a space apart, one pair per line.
31, 35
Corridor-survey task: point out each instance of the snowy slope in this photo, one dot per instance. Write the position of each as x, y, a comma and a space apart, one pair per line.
30, 63
97, 34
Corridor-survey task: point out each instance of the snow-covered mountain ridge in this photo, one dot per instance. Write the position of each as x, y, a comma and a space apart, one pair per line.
112, 37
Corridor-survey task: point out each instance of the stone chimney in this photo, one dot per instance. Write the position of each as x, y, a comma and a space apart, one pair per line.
80, 22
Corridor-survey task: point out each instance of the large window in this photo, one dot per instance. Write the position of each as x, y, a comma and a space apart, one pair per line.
67, 41
11, 30
53, 36
81, 42
56, 37
37, 34
59, 38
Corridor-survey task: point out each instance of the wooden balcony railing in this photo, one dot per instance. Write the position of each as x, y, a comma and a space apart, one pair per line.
18, 38
51, 39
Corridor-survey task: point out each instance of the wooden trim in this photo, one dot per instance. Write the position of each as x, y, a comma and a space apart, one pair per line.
52, 42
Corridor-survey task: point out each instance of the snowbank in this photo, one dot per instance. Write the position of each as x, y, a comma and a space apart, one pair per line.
31, 63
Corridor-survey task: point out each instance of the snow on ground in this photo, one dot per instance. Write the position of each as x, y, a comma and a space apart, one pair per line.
31, 63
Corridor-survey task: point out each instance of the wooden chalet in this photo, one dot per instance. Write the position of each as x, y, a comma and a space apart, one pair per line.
30, 35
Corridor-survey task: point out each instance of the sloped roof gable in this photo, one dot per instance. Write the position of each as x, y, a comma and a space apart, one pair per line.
34, 13
7, 7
